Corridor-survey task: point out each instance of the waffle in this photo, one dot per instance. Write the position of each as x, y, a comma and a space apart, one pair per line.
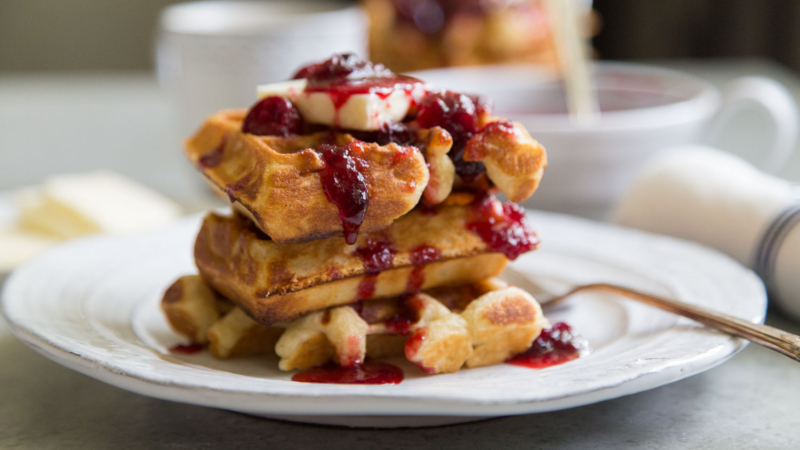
483, 323
410, 188
275, 181
279, 282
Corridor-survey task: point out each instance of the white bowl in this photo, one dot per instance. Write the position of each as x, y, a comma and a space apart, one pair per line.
645, 110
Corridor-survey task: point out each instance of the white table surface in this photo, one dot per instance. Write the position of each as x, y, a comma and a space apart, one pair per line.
77, 122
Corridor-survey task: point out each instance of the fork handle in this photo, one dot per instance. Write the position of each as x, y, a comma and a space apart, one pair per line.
770, 337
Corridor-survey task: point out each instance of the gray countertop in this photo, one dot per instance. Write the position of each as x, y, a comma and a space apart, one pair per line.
56, 123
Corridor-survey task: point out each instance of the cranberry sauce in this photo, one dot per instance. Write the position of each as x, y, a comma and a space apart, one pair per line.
377, 255
344, 185
556, 345
413, 344
370, 372
187, 349
389, 132
458, 114
502, 226
273, 116
419, 257
344, 75
406, 316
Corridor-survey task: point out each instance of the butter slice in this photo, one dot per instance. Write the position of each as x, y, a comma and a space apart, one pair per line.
70, 206
365, 112
18, 245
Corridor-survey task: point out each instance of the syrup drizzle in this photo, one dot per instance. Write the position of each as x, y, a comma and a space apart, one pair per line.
377, 254
554, 346
344, 185
405, 317
502, 227
370, 372
421, 256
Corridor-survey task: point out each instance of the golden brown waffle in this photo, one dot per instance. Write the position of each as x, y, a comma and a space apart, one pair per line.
276, 282
496, 322
275, 180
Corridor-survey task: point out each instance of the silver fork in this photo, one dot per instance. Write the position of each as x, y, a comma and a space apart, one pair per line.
781, 341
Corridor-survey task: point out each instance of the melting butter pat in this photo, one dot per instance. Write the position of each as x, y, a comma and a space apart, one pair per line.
363, 111
69, 206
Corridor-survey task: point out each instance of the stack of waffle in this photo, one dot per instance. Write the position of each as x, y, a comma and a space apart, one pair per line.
374, 239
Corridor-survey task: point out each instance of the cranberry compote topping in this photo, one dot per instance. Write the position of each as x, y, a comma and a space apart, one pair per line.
502, 227
389, 132
345, 75
419, 257
366, 288
405, 317
556, 345
458, 114
377, 254
341, 67
186, 349
371, 372
344, 185
273, 116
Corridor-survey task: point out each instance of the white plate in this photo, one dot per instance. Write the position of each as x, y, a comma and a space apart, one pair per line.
92, 305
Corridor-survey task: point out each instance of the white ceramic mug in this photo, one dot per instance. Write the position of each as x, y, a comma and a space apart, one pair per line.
645, 110
212, 55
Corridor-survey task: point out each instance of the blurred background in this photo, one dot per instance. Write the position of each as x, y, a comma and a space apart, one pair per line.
52, 35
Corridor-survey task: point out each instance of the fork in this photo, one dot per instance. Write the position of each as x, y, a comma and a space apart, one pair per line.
781, 341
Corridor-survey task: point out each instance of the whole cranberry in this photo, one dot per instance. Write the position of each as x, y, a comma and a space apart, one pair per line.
273, 116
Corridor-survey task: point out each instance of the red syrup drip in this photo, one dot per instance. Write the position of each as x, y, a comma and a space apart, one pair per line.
413, 344
502, 227
458, 114
344, 185
370, 372
366, 287
554, 346
405, 317
187, 349
273, 116
345, 75
377, 254
214, 157
421, 256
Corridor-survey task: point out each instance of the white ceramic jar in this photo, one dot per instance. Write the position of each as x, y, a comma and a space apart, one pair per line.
212, 55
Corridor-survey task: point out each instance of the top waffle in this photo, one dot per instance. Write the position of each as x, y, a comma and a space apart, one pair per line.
350, 147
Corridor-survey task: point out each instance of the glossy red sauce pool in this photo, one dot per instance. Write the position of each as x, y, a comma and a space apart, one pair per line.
556, 345
186, 349
371, 372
